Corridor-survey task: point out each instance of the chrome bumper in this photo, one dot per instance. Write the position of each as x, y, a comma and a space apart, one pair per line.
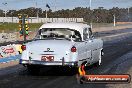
49, 63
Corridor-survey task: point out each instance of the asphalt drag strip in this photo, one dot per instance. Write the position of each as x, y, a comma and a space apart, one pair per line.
117, 59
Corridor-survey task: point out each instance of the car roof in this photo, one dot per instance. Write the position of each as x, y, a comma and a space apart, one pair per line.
70, 25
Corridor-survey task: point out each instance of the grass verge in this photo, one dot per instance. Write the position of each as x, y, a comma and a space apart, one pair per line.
14, 27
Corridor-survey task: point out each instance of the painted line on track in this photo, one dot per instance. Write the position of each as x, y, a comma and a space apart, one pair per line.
11, 58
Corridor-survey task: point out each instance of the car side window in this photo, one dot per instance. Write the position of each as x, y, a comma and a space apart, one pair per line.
85, 34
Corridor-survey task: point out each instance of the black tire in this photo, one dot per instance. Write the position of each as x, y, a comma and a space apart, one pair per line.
74, 70
33, 70
66, 70
97, 64
81, 80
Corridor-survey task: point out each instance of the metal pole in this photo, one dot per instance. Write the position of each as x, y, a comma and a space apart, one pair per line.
114, 20
46, 15
128, 14
12, 16
90, 3
56, 10
5, 13
37, 10
23, 27
55, 5
5, 4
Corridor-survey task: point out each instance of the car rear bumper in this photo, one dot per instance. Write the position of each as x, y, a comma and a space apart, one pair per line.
48, 63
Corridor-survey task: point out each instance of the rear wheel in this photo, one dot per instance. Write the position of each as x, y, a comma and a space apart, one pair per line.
74, 70
33, 70
97, 64
70, 70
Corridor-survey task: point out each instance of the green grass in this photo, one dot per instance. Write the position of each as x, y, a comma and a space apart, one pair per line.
14, 27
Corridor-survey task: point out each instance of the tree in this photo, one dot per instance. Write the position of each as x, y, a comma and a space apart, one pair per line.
100, 14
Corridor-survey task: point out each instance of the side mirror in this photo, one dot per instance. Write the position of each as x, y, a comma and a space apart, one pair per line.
91, 37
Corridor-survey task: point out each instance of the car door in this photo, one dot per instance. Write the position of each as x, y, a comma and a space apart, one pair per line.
93, 44
88, 45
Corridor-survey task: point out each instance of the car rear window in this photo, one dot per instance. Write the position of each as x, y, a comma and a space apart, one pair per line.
58, 33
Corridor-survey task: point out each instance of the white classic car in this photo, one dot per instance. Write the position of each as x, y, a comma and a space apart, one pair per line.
62, 44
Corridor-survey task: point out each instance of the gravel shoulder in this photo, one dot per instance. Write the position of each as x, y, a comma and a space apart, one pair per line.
100, 29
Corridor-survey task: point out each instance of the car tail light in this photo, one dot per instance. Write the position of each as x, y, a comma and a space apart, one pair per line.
73, 49
23, 47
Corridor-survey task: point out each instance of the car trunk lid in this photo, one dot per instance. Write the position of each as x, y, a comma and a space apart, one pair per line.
49, 50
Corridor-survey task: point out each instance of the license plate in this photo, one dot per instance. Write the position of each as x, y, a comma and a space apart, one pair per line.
47, 58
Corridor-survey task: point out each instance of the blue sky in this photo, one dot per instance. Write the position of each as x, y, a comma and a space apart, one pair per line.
63, 4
